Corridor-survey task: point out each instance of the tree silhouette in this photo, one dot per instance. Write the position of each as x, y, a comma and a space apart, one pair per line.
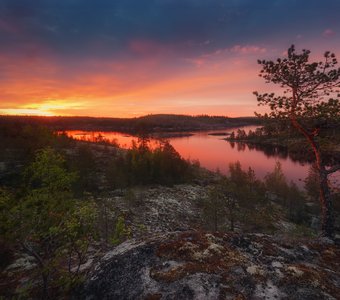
309, 99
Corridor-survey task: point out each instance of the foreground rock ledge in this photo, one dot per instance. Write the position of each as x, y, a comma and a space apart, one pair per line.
196, 265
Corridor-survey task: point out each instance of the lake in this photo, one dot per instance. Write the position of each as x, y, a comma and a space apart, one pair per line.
213, 152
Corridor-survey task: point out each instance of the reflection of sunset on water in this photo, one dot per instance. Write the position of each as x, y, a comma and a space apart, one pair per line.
123, 140
212, 152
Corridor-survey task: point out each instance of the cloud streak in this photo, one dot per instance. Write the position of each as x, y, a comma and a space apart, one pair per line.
127, 57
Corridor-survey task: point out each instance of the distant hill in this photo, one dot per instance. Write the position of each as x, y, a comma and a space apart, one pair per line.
149, 123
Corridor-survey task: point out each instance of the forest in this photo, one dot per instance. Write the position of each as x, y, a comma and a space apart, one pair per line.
148, 124
62, 200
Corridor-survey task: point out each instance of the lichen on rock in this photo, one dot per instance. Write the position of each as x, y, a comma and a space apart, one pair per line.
198, 265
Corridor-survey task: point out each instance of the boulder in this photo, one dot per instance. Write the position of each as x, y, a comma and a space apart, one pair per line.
201, 265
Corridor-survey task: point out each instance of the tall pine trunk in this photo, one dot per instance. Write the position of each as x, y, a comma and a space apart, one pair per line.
326, 204
327, 227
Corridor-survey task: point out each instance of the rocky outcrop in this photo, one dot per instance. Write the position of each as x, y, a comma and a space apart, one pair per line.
162, 209
198, 265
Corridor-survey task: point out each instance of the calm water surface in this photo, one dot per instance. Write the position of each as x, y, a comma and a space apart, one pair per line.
215, 153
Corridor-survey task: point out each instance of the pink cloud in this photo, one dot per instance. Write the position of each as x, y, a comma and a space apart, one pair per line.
248, 49
328, 32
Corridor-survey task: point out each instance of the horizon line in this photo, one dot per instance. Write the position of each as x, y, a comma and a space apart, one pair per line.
99, 117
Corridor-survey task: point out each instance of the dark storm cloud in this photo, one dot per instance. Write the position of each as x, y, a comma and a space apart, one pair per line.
107, 27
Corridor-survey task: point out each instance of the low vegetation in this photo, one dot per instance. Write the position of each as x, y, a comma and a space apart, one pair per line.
49, 211
62, 201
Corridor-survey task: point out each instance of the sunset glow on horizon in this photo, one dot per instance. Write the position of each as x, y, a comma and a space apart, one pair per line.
130, 58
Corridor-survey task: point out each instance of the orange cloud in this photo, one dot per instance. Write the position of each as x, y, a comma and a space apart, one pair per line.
108, 87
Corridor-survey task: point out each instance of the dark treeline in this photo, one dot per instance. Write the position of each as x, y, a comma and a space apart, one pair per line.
280, 135
150, 123
139, 165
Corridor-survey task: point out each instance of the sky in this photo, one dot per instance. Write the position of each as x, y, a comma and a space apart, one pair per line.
127, 58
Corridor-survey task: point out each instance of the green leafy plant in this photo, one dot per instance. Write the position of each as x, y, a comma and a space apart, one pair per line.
47, 222
121, 231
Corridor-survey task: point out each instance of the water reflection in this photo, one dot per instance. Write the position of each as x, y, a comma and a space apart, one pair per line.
214, 152
271, 151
